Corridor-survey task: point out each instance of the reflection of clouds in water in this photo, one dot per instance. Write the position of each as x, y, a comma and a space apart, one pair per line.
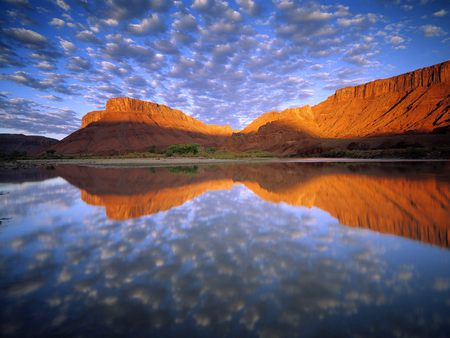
442, 284
22, 198
224, 261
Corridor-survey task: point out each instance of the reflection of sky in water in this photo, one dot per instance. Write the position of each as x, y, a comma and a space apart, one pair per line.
225, 263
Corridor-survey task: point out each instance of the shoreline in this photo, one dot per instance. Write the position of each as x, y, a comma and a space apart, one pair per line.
187, 161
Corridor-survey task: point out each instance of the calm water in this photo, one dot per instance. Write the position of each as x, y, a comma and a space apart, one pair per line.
279, 250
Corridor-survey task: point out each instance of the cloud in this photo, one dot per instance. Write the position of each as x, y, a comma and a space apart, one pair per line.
67, 45
129, 9
358, 20
52, 82
185, 21
440, 13
136, 81
57, 22
114, 68
396, 40
432, 31
248, 6
119, 47
27, 37
62, 4
45, 65
33, 118
201, 4
78, 63
52, 98
88, 36
148, 25
359, 54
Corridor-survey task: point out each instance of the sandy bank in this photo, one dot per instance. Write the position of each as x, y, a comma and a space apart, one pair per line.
153, 162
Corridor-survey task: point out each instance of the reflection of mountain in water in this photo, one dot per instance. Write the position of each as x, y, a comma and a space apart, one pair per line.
410, 200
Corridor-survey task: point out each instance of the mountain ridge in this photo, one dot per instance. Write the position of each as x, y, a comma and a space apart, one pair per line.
416, 102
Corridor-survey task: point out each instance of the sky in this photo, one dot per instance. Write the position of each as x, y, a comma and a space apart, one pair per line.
223, 62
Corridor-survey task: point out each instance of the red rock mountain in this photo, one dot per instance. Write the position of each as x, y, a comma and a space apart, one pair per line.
412, 103
131, 125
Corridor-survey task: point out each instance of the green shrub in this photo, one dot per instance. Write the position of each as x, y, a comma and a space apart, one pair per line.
183, 149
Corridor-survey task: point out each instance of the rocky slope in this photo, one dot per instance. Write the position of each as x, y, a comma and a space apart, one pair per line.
131, 125
412, 103
31, 145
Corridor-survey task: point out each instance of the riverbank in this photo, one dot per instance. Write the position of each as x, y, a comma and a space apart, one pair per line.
184, 161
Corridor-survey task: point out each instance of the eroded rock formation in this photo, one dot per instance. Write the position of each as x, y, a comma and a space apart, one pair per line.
130, 125
413, 103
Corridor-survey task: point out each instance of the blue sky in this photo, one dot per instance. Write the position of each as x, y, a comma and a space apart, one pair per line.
223, 62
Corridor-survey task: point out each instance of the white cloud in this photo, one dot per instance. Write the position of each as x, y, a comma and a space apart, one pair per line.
147, 25
26, 36
351, 22
248, 6
200, 4
57, 22
396, 40
62, 4
431, 31
45, 65
440, 13
87, 36
67, 45
111, 22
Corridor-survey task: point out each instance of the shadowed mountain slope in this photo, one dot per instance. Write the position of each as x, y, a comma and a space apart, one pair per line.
31, 145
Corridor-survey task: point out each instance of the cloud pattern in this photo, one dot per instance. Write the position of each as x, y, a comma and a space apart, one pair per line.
220, 61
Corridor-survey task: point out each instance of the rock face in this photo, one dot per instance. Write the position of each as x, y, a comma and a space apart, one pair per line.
138, 111
416, 102
130, 125
31, 145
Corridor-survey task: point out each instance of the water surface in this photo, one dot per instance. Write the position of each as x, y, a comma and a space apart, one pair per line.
269, 250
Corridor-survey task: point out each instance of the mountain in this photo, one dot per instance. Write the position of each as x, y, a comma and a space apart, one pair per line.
131, 125
31, 145
409, 104
411, 109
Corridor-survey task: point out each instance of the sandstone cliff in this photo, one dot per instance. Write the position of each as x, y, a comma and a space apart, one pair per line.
413, 103
124, 109
131, 125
